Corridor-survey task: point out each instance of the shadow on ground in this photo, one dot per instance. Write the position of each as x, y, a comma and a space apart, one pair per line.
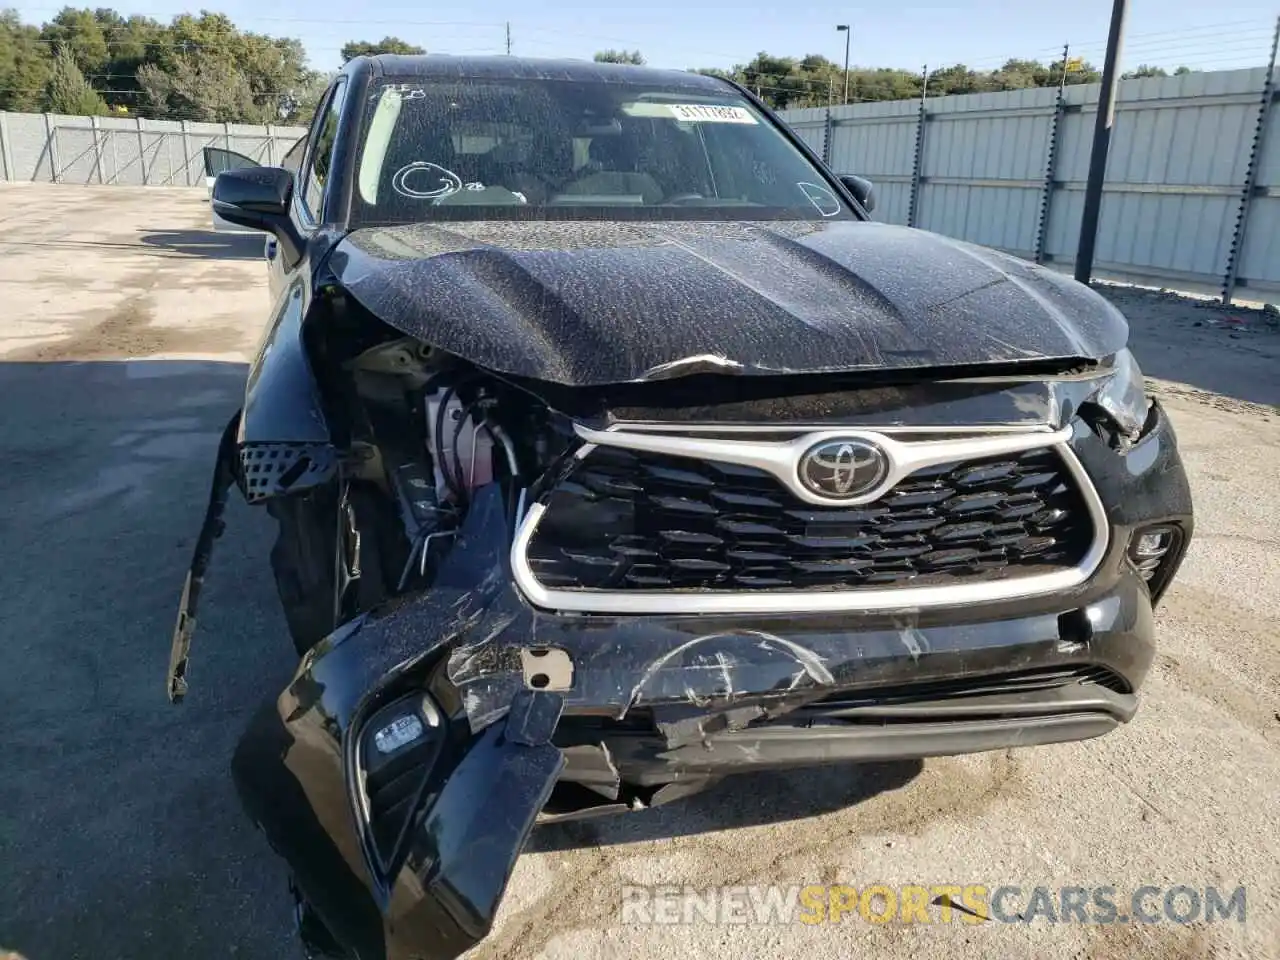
120, 833
123, 826
206, 243
745, 800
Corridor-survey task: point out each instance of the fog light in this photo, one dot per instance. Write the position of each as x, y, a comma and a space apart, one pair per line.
1149, 547
398, 733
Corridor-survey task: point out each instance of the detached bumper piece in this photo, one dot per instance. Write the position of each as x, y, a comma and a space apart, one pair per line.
224, 477
407, 853
440, 866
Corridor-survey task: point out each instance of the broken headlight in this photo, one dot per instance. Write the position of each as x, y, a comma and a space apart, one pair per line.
1123, 396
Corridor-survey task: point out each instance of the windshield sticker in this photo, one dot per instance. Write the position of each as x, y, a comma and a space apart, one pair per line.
710, 113
430, 181
823, 200
690, 112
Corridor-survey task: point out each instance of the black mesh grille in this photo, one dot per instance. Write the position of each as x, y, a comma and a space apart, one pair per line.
641, 521
1026, 681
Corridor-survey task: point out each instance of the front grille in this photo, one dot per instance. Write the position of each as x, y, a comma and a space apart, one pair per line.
631, 521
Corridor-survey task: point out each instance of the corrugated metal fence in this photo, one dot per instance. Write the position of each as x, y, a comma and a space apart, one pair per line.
1189, 154
66, 149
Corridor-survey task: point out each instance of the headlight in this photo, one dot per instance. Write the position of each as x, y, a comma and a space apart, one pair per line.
1122, 396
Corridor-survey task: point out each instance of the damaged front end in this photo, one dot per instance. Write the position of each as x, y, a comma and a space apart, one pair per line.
553, 601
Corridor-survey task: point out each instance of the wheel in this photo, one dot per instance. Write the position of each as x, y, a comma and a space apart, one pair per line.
332, 557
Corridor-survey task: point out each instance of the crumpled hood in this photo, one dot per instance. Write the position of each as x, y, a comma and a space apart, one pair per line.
592, 303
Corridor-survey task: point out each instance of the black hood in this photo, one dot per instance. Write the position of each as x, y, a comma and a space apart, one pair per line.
592, 303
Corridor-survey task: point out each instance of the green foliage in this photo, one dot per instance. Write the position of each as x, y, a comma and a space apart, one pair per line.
1147, 71
25, 64
633, 57
202, 67
68, 91
198, 67
810, 80
366, 48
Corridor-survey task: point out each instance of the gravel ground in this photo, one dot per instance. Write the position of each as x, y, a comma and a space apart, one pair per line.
119, 833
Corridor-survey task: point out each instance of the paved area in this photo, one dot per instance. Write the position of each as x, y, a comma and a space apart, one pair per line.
119, 833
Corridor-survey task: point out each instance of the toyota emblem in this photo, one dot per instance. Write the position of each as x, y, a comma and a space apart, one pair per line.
843, 469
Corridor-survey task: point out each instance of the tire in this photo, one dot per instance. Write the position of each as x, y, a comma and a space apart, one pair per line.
305, 558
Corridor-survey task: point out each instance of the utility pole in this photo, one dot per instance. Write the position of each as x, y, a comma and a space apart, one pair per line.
1101, 142
508, 38
844, 28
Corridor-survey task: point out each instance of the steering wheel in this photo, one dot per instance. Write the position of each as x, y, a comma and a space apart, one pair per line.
682, 197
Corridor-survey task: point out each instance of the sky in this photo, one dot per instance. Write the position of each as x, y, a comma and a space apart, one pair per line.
982, 34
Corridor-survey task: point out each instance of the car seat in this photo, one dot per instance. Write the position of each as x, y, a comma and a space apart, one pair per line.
612, 166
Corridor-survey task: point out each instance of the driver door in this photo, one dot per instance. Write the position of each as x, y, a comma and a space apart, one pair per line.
216, 161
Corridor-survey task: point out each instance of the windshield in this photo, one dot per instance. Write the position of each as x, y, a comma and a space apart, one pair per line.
510, 149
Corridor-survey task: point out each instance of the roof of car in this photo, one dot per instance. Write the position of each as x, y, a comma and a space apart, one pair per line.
446, 66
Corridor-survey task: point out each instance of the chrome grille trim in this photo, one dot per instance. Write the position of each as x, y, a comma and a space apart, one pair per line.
780, 460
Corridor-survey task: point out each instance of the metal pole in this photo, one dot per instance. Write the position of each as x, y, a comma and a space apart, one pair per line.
847, 35
52, 133
913, 204
1251, 173
97, 147
848, 32
6, 152
508, 38
1051, 161
826, 127
1101, 143
142, 150
186, 152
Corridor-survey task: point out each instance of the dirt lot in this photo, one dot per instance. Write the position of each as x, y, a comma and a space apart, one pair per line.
119, 833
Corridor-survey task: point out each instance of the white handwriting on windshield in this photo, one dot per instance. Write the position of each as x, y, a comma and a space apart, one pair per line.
430, 181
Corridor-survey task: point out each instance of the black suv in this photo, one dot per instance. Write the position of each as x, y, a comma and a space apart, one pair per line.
612, 449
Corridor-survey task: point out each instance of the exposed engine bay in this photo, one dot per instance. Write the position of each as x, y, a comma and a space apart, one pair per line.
433, 431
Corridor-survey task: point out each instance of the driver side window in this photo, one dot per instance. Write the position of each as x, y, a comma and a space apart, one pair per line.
320, 157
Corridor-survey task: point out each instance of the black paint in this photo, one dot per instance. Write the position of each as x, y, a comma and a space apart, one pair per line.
589, 303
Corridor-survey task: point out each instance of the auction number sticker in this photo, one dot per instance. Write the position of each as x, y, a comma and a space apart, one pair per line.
710, 113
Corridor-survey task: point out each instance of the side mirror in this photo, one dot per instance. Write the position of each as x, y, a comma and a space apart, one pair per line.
259, 198
862, 191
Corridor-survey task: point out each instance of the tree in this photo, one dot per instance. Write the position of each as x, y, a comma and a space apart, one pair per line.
958, 79
365, 48
25, 65
68, 91
1144, 71
633, 57
80, 34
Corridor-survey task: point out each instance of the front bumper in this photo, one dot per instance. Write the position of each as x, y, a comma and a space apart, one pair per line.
647, 708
